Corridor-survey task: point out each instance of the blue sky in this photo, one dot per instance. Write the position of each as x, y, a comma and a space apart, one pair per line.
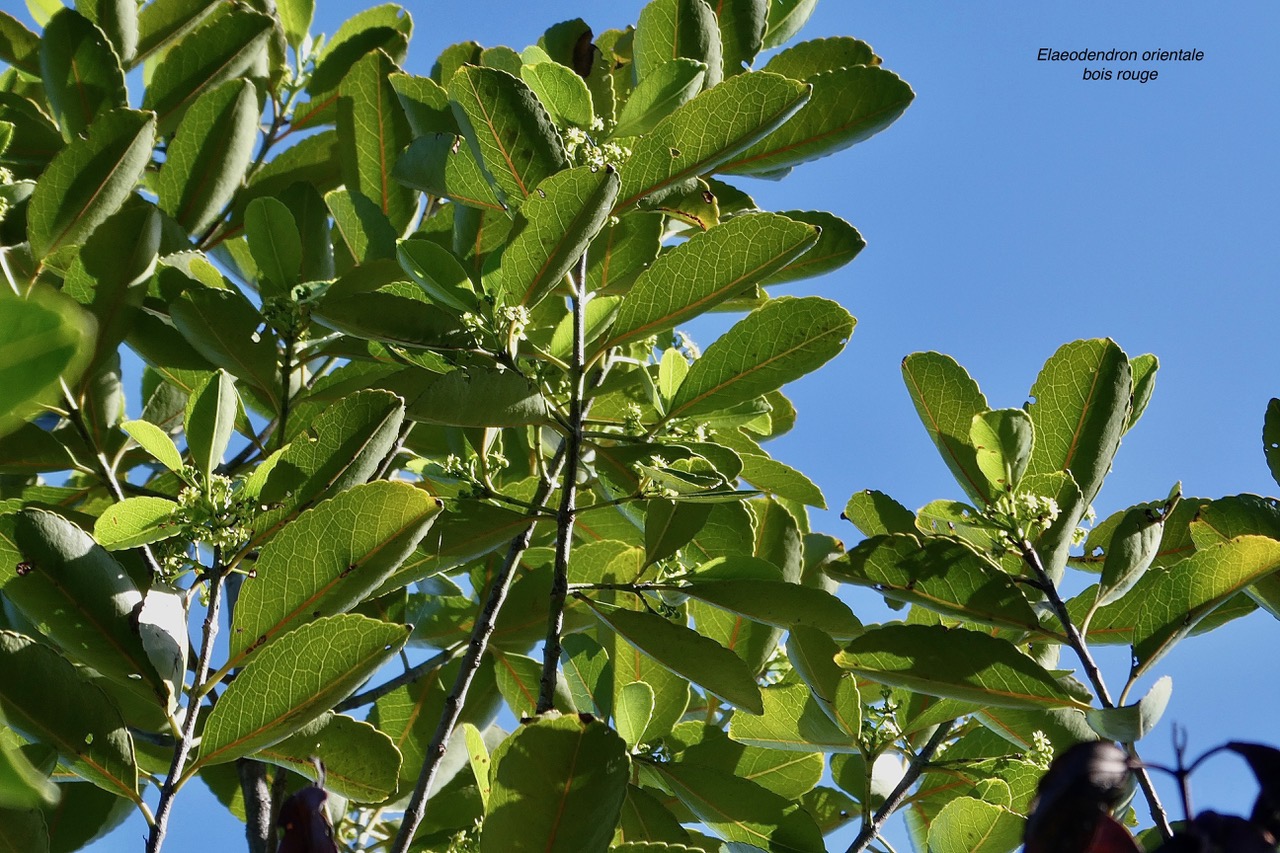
1016, 207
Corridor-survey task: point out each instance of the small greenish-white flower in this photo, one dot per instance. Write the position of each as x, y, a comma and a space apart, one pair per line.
1041, 752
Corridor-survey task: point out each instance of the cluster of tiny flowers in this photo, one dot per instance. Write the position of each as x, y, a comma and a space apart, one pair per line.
584, 152
515, 317
1081, 533
216, 520
880, 723
1041, 752
1027, 513
633, 419
686, 344
6, 178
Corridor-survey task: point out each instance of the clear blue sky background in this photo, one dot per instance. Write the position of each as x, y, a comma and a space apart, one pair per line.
1014, 208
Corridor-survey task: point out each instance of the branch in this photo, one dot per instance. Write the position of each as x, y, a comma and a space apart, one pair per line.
568, 497
286, 375
871, 828
1090, 666
187, 737
258, 830
407, 677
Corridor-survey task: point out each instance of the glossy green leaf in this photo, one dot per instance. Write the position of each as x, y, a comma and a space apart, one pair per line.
439, 164
786, 18
23, 831
313, 160
464, 533
675, 29
439, 273
812, 655
969, 825
84, 814
49, 700
89, 180
552, 230
1132, 549
223, 327
230, 46
1080, 410
633, 712
22, 785
1271, 438
295, 17
519, 680
360, 762
740, 810
947, 399
372, 131
940, 574
1131, 723
80, 597
1144, 369
481, 764
808, 58
80, 71
773, 345
666, 87
425, 103
1173, 602
209, 421
706, 270
163, 21
793, 721
838, 244
623, 250
589, 674
706, 132
31, 450
508, 130
1002, 440
293, 681
598, 315
558, 787
784, 605
688, 654
276, 246
136, 521
954, 663
18, 45
848, 105
875, 513
671, 692
646, 820
329, 560
471, 397
562, 92
781, 480
46, 338
742, 24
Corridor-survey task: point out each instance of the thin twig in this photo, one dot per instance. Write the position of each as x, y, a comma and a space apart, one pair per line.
568, 496
286, 383
1090, 666
165, 805
871, 828
409, 676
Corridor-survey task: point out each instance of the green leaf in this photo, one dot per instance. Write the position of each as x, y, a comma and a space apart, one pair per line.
670, 525
89, 180
49, 700
947, 399
329, 560
366, 233
589, 674
1144, 369
209, 422
223, 327
23, 831
80, 597
313, 160
808, 58
666, 87
1174, 601
478, 754
163, 21
784, 605
80, 72
623, 250
439, 273
520, 681
1002, 440
706, 270
84, 814
231, 45
1132, 549
1080, 410
293, 681
468, 531
22, 786
425, 103
360, 762
508, 130
295, 17
968, 825
704, 133
471, 397
812, 655
552, 230
838, 244
562, 92
1271, 437
18, 45
848, 105
558, 787
634, 711
136, 521
276, 246
688, 654
875, 513
46, 337
372, 131
675, 29
742, 24
954, 663
786, 18
777, 478
438, 164
771, 346
1131, 723
794, 721
30, 450
598, 316
740, 810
